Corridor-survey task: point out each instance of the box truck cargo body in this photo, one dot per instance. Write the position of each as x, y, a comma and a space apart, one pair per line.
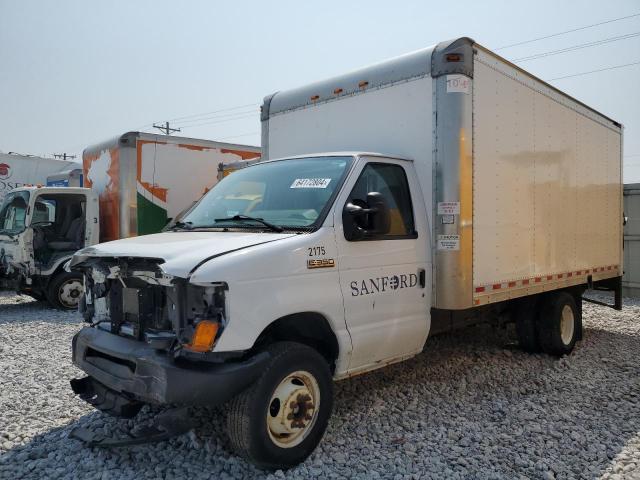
435, 190
143, 179
521, 182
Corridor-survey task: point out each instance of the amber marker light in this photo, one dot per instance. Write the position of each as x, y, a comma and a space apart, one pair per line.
204, 336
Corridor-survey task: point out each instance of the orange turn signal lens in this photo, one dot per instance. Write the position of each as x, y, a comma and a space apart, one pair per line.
204, 336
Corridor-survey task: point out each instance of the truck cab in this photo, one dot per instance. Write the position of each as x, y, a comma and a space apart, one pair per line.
40, 229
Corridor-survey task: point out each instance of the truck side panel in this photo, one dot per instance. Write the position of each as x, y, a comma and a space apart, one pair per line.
546, 186
172, 175
143, 179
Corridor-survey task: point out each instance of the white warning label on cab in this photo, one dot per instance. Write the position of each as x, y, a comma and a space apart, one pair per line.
448, 242
310, 183
458, 84
448, 208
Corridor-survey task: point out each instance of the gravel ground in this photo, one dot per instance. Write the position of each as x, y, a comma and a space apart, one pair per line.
471, 406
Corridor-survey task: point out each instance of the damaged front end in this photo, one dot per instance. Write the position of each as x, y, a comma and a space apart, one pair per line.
134, 298
14, 272
151, 339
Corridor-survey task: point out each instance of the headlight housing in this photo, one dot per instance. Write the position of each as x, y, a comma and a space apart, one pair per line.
203, 316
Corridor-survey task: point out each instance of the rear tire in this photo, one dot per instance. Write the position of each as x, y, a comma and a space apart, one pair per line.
64, 290
279, 420
526, 328
559, 324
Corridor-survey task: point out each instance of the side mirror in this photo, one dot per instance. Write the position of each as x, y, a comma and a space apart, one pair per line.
361, 219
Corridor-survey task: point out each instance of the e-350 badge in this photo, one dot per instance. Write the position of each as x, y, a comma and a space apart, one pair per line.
321, 263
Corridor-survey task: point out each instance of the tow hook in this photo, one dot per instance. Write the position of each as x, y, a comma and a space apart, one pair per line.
169, 424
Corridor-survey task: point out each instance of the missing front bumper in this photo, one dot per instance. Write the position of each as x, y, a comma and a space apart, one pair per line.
167, 425
135, 372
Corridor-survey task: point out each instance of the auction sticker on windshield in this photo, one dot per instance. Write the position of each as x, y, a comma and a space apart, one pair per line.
310, 183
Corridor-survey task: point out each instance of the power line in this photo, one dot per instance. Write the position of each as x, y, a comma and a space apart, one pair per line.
214, 111
567, 31
222, 121
185, 119
218, 117
595, 71
238, 136
576, 47
166, 128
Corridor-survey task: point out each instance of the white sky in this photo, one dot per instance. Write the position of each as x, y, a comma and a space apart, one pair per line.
73, 73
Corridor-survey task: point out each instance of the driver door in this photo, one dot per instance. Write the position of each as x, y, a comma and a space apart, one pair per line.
385, 278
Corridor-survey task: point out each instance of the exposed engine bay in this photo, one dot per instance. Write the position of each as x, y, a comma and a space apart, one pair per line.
134, 298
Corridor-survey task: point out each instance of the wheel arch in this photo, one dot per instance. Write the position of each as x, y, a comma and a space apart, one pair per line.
56, 269
309, 328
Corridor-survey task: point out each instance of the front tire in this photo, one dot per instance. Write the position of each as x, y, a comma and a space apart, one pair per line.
280, 419
559, 324
64, 290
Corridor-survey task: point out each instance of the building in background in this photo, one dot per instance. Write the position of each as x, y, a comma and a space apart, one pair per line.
631, 278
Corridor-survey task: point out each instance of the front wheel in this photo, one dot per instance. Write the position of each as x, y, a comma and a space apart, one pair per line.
279, 420
64, 290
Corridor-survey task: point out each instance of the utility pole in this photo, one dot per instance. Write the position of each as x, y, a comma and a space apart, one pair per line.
166, 128
63, 156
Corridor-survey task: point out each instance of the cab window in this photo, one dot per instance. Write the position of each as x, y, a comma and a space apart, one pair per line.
391, 181
13, 212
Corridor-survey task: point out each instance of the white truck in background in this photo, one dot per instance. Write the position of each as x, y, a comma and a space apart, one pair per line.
134, 184
20, 170
67, 178
438, 189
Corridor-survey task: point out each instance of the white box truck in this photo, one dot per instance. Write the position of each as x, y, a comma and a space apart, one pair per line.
135, 183
440, 188
19, 170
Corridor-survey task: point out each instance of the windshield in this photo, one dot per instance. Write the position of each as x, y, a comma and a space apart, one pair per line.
286, 193
13, 212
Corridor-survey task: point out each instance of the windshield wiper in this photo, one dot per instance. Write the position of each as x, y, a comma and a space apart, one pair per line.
273, 227
182, 226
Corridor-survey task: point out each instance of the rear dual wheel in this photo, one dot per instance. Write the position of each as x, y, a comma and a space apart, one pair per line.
559, 324
280, 419
552, 324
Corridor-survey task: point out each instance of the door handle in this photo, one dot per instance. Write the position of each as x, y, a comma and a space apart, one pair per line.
422, 277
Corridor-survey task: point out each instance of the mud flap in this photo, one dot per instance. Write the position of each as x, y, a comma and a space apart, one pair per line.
167, 425
104, 399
